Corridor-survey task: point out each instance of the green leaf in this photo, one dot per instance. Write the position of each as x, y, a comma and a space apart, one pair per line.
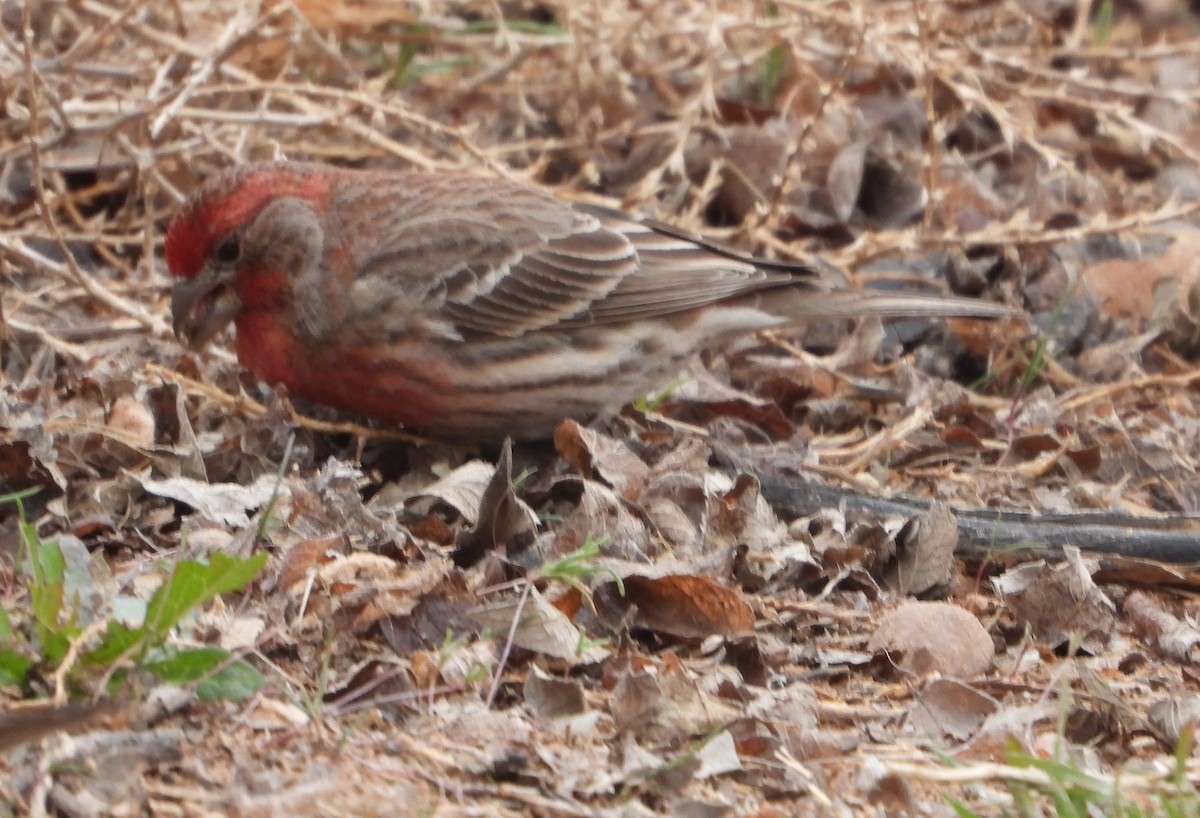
46, 569
770, 74
118, 639
235, 682
187, 665
13, 667
6, 631
1102, 23
192, 584
220, 678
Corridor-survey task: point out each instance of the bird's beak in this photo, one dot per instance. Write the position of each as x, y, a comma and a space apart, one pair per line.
201, 307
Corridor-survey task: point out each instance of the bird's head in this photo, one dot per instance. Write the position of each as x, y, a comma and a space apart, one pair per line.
230, 245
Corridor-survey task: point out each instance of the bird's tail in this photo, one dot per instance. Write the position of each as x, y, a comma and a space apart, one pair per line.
789, 294
913, 305
801, 304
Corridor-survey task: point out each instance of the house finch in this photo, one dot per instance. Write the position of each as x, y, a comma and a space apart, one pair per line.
467, 307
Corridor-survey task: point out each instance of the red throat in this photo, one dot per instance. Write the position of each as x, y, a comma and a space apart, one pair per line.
370, 381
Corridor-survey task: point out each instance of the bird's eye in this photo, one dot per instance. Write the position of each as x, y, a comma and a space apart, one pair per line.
229, 250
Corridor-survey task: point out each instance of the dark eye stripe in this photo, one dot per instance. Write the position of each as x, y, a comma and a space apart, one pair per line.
228, 250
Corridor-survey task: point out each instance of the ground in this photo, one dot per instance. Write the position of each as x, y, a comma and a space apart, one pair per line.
781, 586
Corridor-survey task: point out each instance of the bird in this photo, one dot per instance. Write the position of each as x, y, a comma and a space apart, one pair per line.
473, 308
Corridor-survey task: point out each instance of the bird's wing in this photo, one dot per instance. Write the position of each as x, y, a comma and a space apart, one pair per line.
465, 253
488, 256
679, 271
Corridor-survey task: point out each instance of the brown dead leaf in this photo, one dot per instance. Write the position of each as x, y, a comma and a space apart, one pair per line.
666, 707
344, 18
1112, 360
984, 339
750, 158
18, 469
131, 422
1124, 289
1172, 716
687, 607
934, 637
604, 516
739, 515
435, 615
949, 708
767, 418
504, 520
361, 588
461, 490
1060, 601
596, 455
541, 628
844, 179
302, 557
551, 697
671, 522
924, 553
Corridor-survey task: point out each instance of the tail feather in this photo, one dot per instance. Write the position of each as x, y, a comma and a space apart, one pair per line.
795, 304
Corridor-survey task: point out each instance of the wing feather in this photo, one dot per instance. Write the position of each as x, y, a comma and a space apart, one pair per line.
496, 258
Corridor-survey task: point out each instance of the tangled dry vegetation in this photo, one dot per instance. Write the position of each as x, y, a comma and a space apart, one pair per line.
622, 625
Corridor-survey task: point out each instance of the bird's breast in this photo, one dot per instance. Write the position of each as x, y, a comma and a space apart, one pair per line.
392, 382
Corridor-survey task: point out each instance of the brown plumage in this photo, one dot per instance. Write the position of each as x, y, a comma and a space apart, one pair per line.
471, 307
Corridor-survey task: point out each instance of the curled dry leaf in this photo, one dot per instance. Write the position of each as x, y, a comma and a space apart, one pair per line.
225, 503
1152, 292
950, 708
1176, 638
606, 458
302, 558
1172, 716
934, 637
540, 627
462, 490
363, 587
739, 515
131, 422
1059, 601
604, 516
345, 18
504, 520
924, 553
685, 607
666, 707
551, 697
844, 179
